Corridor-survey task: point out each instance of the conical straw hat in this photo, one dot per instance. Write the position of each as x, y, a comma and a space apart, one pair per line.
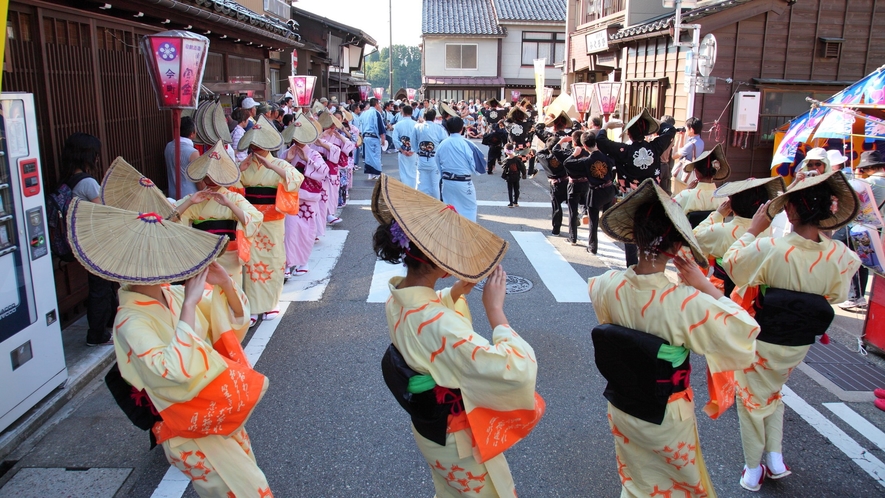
715, 154
847, 207
263, 135
348, 116
316, 124
207, 124
774, 185
219, 123
124, 187
326, 120
454, 243
129, 248
653, 124
317, 107
217, 165
301, 130
618, 221
199, 123
446, 108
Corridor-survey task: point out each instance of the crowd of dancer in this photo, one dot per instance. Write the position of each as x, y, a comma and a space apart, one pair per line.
746, 297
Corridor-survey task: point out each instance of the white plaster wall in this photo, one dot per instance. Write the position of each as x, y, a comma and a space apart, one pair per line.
486, 57
512, 53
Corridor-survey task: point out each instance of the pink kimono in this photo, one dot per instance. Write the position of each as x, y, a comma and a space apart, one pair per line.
345, 147
301, 230
331, 158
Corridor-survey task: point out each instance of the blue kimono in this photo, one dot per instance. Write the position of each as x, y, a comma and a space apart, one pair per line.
459, 159
405, 142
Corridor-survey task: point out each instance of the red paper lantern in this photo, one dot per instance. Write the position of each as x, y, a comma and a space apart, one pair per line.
548, 95
364, 93
302, 88
607, 93
514, 95
410, 94
379, 92
176, 60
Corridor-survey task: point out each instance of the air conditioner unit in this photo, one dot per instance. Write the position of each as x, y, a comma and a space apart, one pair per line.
745, 116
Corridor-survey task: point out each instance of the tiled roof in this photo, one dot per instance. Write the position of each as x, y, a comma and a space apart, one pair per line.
459, 17
663, 23
530, 10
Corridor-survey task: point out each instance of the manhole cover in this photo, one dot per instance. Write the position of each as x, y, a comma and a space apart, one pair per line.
515, 285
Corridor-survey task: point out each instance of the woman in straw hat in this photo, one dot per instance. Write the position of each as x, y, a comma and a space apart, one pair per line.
715, 235
271, 185
345, 174
454, 383
650, 410
179, 344
698, 202
330, 153
332, 133
301, 229
802, 272
215, 209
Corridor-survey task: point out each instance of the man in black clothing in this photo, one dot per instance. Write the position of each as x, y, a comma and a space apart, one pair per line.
551, 160
588, 162
496, 138
639, 159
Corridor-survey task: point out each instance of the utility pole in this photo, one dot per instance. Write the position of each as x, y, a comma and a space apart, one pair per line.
390, 55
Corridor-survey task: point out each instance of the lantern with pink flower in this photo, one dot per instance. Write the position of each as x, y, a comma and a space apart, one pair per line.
514, 95
302, 88
411, 93
364, 92
548, 95
176, 60
607, 93
581, 93
379, 92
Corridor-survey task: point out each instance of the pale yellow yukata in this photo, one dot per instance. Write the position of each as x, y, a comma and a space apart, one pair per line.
699, 198
794, 263
263, 279
660, 460
200, 382
497, 381
715, 236
238, 251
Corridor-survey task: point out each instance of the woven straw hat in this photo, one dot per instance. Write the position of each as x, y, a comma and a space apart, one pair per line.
618, 221
653, 124
454, 243
348, 116
774, 185
301, 130
124, 187
550, 118
316, 124
493, 102
716, 154
217, 165
318, 107
198, 122
206, 124
848, 204
263, 135
446, 108
129, 248
326, 120
219, 123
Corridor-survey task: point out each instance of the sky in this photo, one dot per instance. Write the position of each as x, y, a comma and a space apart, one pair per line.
371, 16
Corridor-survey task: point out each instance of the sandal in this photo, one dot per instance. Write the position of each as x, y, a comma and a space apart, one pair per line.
253, 319
272, 314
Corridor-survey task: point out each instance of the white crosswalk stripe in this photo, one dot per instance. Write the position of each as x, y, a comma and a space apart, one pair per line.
379, 292
312, 285
557, 274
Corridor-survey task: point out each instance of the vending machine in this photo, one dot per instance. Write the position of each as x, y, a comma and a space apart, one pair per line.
32, 361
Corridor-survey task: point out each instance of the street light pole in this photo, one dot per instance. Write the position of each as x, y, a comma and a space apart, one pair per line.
390, 55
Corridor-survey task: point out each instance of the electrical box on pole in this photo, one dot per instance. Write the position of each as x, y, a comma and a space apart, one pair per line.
745, 115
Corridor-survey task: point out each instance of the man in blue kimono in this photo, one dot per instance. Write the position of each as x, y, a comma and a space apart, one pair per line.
459, 159
374, 138
405, 142
428, 136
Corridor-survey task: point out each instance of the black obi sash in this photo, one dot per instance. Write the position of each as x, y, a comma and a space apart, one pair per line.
696, 217
218, 227
429, 417
719, 272
261, 195
791, 318
639, 384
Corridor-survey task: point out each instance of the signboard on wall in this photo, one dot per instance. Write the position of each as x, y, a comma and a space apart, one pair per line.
597, 41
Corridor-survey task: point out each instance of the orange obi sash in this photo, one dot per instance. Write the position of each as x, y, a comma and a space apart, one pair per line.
223, 406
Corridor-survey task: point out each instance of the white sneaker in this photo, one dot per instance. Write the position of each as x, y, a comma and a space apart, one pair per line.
853, 303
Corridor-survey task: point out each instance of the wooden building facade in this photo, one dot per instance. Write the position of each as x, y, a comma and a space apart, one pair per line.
786, 49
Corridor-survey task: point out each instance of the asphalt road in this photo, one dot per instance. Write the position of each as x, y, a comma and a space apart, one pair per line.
328, 426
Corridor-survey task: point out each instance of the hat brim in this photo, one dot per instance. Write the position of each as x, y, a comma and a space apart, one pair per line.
124, 187
301, 130
219, 123
617, 221
774, 185
714, 154
653, 124
447, 109
263, 135
129, 248
848, 203
461, 247
216, 164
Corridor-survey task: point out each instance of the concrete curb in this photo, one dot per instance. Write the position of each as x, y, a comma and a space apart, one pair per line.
79, 376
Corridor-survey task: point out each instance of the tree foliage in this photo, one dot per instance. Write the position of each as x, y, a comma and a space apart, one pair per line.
406, 68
